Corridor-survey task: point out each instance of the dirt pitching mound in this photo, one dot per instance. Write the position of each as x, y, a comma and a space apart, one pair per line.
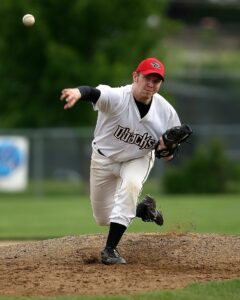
71, 266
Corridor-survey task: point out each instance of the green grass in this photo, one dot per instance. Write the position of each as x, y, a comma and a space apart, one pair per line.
226, 290
47, 217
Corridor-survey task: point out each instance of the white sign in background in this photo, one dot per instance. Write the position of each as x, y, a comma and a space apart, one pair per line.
14, 152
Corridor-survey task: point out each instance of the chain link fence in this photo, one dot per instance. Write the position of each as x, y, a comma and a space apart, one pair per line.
59, 159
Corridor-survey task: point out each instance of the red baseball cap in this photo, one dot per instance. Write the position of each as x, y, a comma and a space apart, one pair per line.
151, 65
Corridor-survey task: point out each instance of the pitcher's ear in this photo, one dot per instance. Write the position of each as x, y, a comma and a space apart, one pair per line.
135, 76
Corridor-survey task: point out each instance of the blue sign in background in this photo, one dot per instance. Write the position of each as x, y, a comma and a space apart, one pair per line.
11, 157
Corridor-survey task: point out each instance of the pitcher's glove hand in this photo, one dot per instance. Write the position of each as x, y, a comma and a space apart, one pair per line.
172, 139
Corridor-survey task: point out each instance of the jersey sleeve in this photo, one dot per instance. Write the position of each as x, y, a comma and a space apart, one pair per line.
173, 119
110, 100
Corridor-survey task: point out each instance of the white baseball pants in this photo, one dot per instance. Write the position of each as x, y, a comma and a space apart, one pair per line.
115, 187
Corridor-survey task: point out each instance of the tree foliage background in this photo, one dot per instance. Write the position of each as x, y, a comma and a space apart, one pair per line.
77, 42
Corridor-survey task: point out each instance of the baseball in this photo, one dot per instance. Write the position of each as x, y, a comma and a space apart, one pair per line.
28, 20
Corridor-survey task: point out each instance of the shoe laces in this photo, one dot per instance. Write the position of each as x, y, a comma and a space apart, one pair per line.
113, 252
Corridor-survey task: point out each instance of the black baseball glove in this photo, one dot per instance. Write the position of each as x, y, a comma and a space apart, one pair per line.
172, 139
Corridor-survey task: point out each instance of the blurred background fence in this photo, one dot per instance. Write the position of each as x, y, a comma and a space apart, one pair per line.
59, 159
199, 43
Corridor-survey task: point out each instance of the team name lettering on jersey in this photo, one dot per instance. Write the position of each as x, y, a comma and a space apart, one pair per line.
144, 141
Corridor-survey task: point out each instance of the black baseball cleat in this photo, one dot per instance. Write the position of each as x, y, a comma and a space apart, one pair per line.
110, 256
147, 211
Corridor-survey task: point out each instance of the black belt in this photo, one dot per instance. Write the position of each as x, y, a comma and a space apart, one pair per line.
100, 152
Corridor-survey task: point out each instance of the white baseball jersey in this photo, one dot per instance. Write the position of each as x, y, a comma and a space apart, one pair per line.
121, 134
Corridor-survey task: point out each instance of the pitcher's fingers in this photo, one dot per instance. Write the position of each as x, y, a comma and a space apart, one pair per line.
64, 94
70, 98
67, 105
70, 103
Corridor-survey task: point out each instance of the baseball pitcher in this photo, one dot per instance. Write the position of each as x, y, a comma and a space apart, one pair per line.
135, 124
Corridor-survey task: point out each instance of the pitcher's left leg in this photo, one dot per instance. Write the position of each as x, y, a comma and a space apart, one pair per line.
133, 174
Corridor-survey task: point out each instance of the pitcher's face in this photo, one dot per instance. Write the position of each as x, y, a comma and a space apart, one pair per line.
145, 86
